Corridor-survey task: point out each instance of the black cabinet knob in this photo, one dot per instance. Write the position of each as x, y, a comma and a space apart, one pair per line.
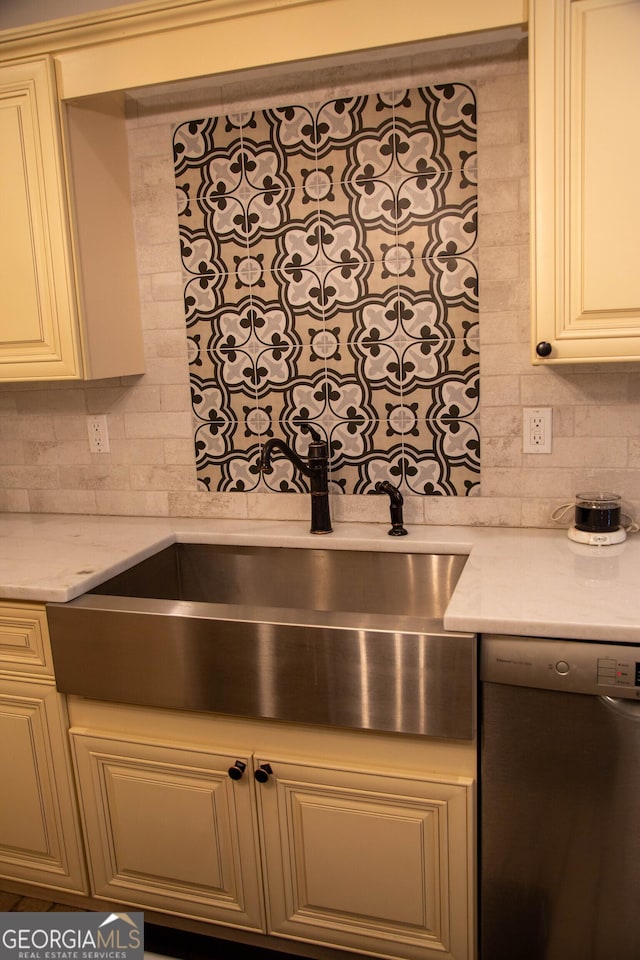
236, 771
263, 772
544, 348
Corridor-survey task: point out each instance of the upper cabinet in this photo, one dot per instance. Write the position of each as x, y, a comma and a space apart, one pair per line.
585, 77
68, 285
69, 305
169, 40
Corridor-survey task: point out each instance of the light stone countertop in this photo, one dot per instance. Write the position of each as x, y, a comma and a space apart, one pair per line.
522, 581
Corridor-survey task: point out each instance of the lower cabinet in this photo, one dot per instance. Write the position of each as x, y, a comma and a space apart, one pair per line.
167, 828
308, 850
366, 862
39, 830
40, 838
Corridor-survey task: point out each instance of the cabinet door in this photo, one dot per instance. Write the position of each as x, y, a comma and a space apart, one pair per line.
38, 324
168, 829
67, 232
585, 76
39, 829
373, 863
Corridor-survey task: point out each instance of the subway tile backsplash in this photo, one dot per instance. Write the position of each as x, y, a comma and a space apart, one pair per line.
341, 364
329, 261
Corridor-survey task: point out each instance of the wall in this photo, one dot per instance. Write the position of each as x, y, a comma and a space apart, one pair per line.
329, 262
45, 464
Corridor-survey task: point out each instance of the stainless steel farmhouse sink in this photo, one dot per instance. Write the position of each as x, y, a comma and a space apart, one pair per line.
343, 638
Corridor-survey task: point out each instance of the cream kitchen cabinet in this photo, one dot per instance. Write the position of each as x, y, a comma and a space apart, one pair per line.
311, 848
585, 75
40, 837
68, 287
167, 828
172, 40
374, 863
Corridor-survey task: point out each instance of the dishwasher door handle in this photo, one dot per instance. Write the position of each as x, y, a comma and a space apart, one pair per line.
627, 708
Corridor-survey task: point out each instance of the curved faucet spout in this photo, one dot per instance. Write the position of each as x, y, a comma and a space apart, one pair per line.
316, 469
275, 443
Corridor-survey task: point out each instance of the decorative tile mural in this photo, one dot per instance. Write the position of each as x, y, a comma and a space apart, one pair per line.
329, 252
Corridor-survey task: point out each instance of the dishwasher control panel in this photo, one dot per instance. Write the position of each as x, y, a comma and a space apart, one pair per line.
619, 673
575, 666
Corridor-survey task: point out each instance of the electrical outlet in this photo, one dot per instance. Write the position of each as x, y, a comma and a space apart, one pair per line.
98, 433
536, 430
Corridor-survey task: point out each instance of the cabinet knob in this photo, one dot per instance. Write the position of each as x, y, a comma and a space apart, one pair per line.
236, 771
263, 772
544, 348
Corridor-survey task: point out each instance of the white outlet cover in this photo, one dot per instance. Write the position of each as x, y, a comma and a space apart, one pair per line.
537, 430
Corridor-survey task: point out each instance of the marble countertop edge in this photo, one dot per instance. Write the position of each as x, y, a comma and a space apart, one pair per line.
521, 581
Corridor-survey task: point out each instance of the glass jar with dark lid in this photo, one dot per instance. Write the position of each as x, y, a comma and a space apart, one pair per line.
598, 512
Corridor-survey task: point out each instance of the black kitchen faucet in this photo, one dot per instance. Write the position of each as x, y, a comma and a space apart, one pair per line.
316, 469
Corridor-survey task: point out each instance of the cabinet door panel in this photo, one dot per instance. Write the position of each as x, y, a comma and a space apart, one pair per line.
23, 812
39, 831
18, 269
366, 835
168, 829
180, 807
585, 73
605, 216
374, 863
38, 329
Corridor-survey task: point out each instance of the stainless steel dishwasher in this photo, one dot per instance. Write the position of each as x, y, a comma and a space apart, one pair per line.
559, 800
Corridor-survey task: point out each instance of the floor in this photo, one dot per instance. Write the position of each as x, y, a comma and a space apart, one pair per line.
158, 941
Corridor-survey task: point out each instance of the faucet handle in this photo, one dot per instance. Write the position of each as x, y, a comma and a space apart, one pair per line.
319, 445
315, 435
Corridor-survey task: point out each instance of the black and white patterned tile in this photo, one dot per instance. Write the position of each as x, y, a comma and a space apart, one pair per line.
329, 254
